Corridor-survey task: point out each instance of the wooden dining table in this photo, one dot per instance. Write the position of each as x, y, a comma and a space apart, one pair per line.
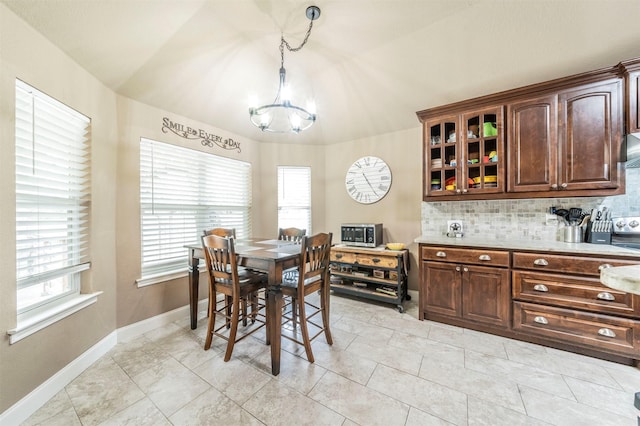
267, 255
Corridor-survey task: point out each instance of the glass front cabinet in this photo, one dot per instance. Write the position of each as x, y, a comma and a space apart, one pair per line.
464, 154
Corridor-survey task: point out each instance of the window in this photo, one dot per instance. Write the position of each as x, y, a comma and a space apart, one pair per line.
294, 197
53, 196
182, 193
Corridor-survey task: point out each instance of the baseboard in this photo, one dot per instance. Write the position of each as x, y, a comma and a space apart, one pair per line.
134, 330
23, 409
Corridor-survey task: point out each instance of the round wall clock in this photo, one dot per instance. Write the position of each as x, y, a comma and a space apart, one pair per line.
368, 180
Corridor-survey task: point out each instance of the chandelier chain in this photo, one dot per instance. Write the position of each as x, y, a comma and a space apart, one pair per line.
284, 43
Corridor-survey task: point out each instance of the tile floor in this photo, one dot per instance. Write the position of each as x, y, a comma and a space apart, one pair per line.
385, 368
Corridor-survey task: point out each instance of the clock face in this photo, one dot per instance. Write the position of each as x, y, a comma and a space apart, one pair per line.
368, 180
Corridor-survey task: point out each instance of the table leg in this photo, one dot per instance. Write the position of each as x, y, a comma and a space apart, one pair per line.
274, 311
194, 281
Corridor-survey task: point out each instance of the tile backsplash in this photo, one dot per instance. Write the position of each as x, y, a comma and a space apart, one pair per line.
522, 219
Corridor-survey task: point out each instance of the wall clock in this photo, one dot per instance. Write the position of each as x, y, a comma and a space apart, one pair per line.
368, 180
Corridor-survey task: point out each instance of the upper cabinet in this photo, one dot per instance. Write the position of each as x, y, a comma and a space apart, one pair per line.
566, 141
560, 138
631, 71
465, 154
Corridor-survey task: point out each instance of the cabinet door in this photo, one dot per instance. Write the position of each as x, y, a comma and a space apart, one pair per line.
482, 147
589, 140
486, 295
441, 288
533, 142
633, 100
441, 157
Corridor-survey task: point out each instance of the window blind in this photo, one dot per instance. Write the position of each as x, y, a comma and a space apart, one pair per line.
53, 196
294, 197
182, 193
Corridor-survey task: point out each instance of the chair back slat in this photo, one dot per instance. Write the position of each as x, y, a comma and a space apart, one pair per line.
221, 232
220, 259
315, 253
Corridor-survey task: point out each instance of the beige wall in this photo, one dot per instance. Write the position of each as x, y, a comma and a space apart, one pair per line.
26, 55
399, 210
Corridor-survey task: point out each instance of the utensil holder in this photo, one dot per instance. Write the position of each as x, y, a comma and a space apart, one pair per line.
572, 234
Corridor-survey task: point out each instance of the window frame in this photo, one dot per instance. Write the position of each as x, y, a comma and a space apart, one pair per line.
299, 177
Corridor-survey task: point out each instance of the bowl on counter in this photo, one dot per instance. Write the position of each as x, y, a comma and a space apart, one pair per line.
395, 246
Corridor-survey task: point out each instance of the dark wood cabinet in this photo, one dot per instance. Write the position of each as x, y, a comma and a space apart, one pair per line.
566, 141
560, 138
455, 286
631, 71
465, 153
554, 299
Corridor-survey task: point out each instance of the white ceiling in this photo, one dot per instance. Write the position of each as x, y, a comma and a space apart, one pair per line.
369, 64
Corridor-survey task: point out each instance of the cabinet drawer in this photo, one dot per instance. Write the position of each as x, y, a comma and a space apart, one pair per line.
345, 257
573, 292
597, 331
469, 256
565, 263
375, 260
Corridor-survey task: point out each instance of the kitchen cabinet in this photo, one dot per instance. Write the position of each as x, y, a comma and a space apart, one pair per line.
631, 71
560, 298
465, 286
566, 141
371, 273
560, 138
464, 153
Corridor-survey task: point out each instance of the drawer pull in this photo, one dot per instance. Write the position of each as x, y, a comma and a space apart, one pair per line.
541, 320
541, 287
604, 266
338, 256
457, 269
441, 254
606, 332
375, 260
484, 257
605, 295
465, 269
541, 262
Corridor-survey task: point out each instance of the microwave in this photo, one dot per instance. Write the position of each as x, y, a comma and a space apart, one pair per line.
361, 234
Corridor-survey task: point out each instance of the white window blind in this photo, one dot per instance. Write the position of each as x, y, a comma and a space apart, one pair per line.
182, 193
294, 197
53, 196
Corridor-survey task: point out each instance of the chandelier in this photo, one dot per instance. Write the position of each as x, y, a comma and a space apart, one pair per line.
282, 116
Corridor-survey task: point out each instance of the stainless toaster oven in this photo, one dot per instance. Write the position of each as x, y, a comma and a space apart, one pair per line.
361, 234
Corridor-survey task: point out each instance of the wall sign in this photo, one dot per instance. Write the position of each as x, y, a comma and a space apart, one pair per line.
206, 139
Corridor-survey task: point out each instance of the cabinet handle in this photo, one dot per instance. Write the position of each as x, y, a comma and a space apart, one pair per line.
541, 287
607, 332
484, 257
541, 262
457, 269
338, 256
541, 320
375, 260
554, 186
564, 185
604, 266
464, 191
441, 254
458, 191
465, 269
605, 295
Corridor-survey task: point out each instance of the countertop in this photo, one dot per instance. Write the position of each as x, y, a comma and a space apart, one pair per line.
547, 246
624, 278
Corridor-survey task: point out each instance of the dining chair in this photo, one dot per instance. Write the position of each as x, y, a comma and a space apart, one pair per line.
313, 276
291, 234
221, 232
237, 286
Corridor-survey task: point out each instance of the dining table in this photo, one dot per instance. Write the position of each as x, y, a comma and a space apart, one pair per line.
268, 255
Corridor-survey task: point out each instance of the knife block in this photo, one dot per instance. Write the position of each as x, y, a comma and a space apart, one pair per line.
595, 237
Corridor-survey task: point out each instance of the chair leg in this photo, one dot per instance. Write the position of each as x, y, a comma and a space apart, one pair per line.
228, 300
212, 321
294, 312
324, 305
244, 310
235, 316
304, 330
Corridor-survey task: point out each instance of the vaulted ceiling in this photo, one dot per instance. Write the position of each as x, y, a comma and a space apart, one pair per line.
369, 64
